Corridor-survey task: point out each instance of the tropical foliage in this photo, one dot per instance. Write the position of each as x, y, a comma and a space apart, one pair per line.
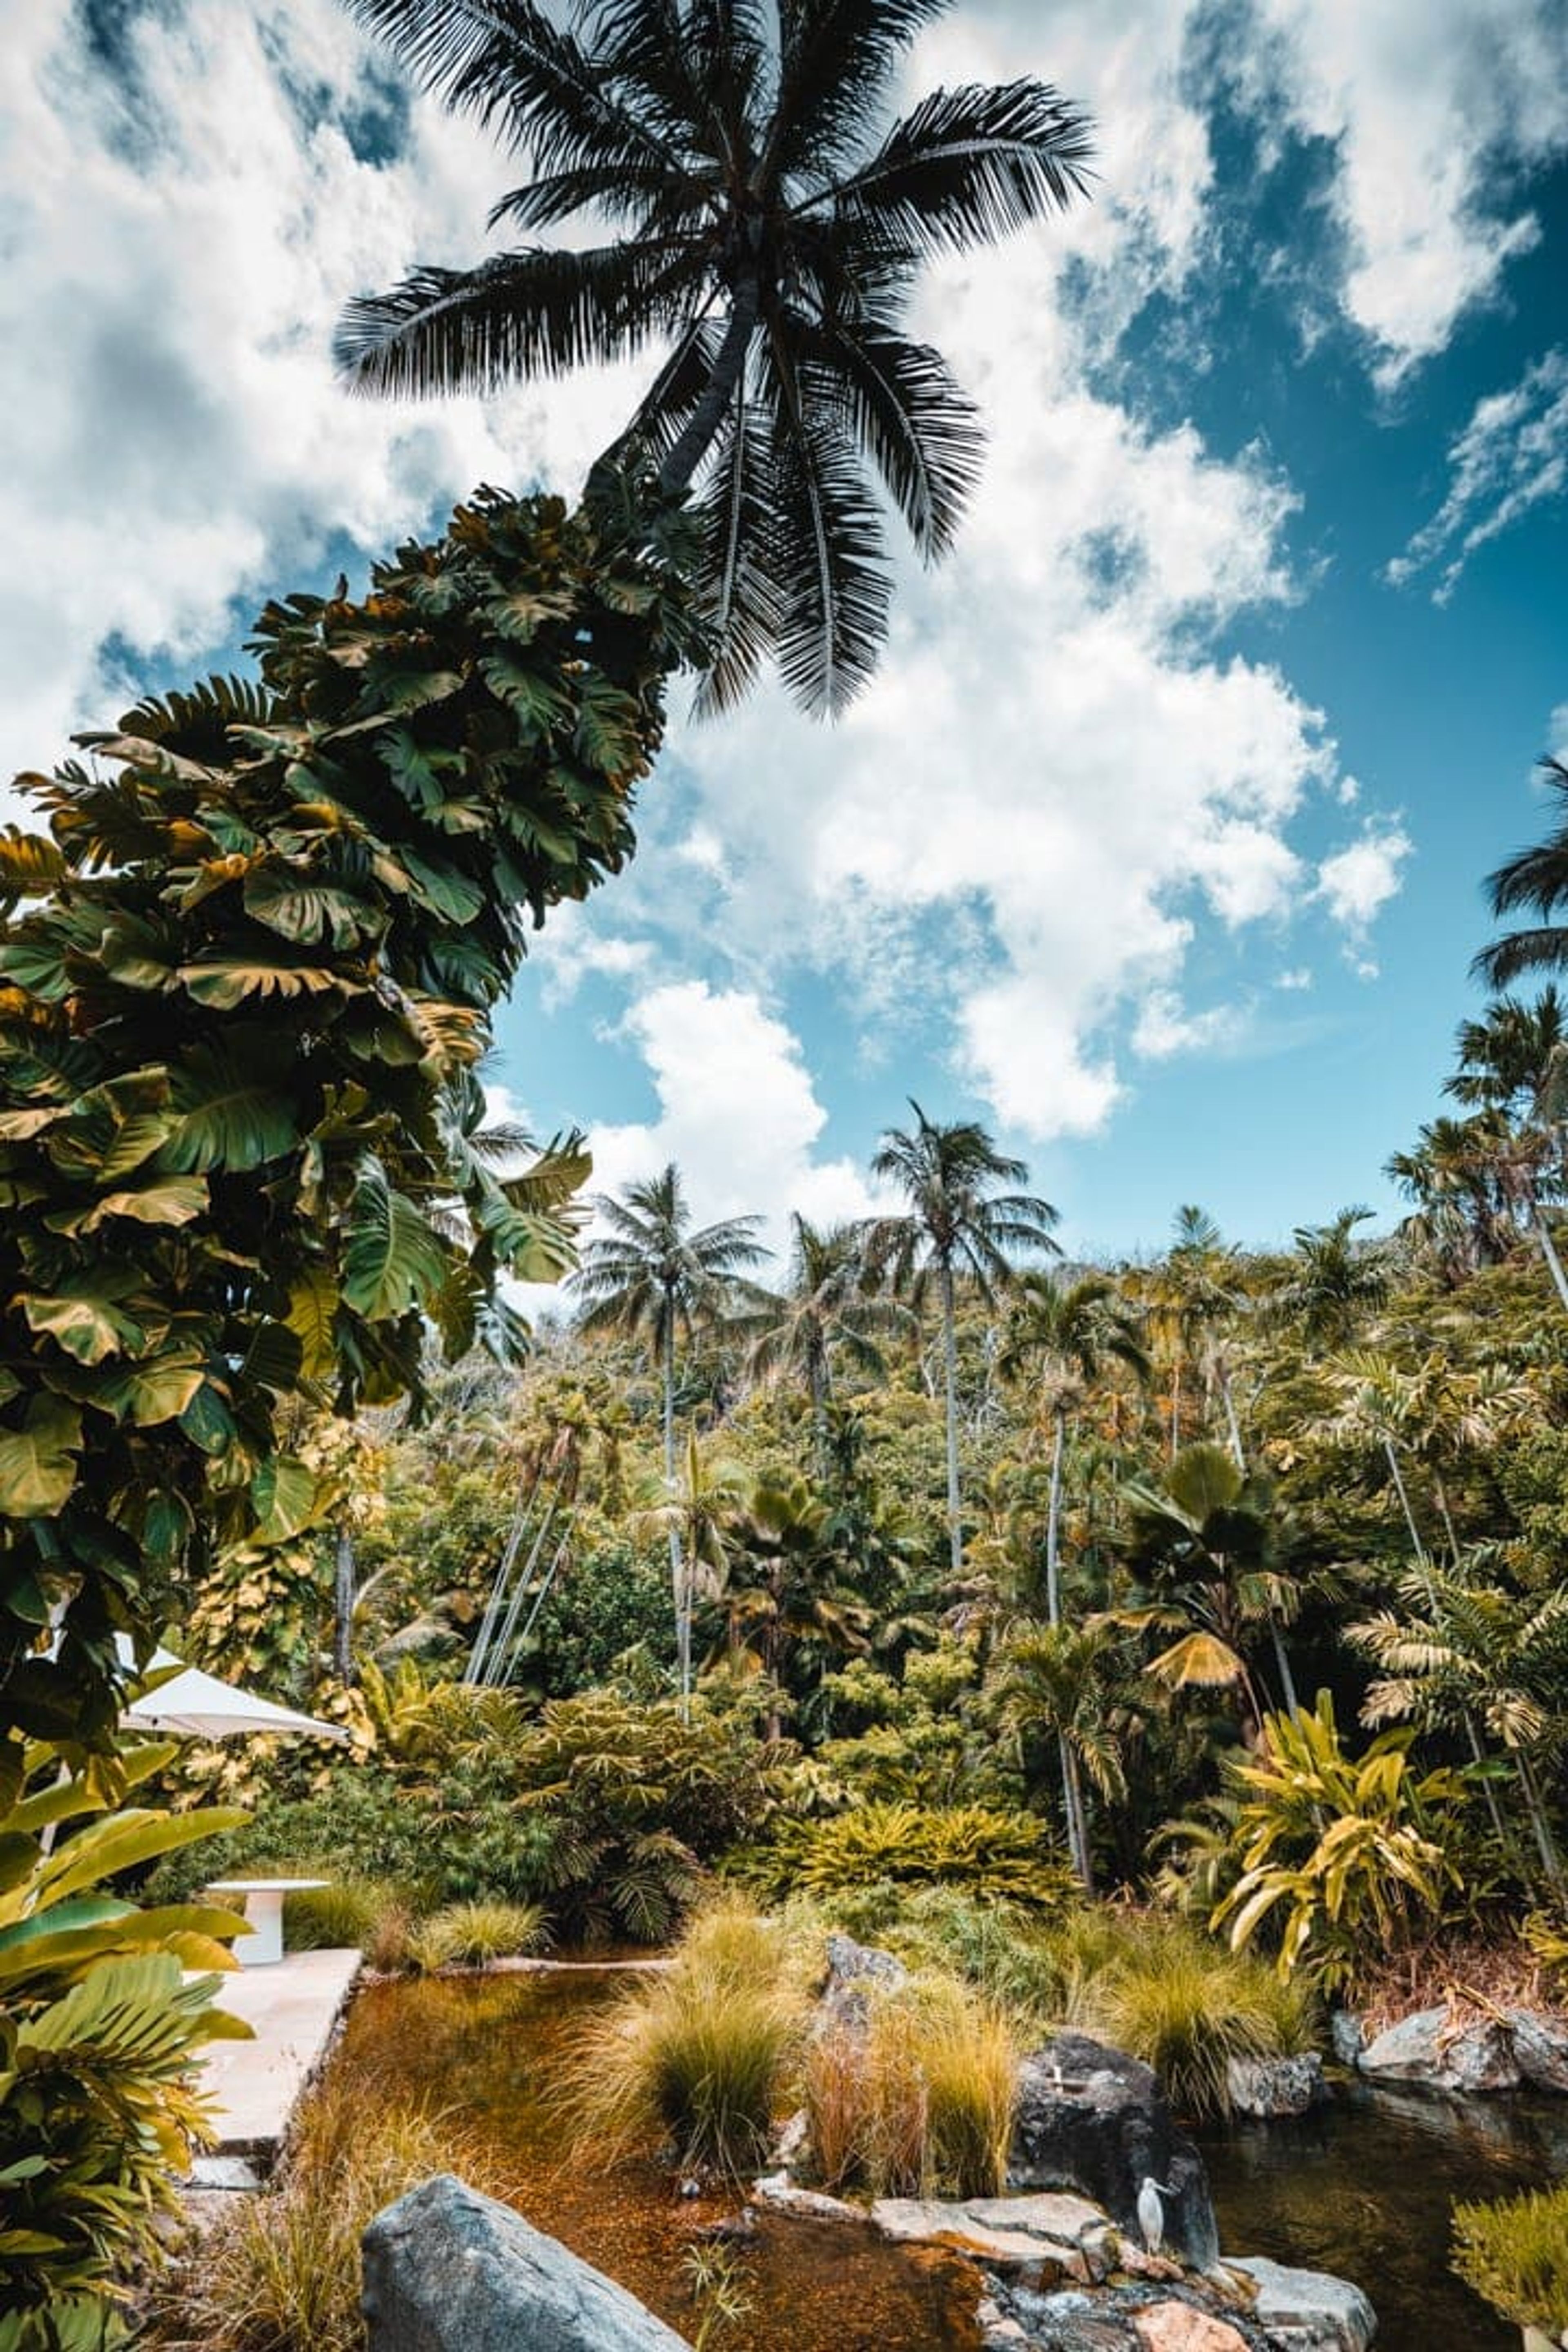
767, 224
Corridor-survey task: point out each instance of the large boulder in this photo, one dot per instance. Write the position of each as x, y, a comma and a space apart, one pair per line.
446, 2270
1310, 2310
1539, 2049
1094, 2119
857, 1973
1276, 2086
1431, 2051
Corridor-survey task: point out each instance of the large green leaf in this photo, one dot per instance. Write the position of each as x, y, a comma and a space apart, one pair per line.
284, 1494
232, 1114
395, 1259
312, 1312
86, 1326
299, 907
37, 1465
175, 1200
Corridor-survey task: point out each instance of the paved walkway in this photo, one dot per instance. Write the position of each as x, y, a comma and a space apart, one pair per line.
294, 2007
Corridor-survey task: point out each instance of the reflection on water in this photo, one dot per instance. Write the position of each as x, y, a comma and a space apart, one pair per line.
1364, 2188
490, 2047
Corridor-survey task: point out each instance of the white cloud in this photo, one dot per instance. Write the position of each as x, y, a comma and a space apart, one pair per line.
175, 265
1357, 882
737, 1113
1425, 106
1165, 1027
1512, 456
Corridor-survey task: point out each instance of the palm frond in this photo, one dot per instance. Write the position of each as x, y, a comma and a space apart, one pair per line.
836, 58
900, 402
971, 165
830, 558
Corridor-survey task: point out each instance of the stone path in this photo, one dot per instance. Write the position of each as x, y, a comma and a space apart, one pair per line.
294, 2008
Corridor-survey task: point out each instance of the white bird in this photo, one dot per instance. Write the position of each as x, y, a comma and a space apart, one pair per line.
1152, 2212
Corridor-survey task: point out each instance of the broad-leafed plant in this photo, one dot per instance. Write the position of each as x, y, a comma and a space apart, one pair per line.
245, 979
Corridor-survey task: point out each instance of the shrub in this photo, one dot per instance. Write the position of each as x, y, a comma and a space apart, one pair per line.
1514, 2252
700, 2055
920, 2102
1001, 1948
283, 2274
1186, 2008
97, 2029
345, 1915
976, 1848
473, 1933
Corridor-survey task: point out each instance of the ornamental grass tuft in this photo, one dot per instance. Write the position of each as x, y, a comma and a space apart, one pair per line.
1514, 2252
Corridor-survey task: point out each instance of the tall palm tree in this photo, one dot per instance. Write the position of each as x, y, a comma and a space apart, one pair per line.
1189, 1295
1068, 1332
695, 1511
1537, 879
1056, 1678
825, 1310
957, 1222
1335, 1281
765, 226
1514, 1069
652, 1276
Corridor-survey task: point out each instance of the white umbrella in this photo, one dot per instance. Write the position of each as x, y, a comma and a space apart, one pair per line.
200, 1706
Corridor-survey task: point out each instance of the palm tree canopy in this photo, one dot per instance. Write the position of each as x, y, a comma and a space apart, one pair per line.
1535, 879
652, 1273
958, 1222
760, 218
1337, 1279
825, 1310
1071, 1329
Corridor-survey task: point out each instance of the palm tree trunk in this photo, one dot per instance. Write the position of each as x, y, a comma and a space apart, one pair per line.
1175, 1408
694, 440
343, 1606
1232, 1425
1393, 1460
1472, 1734
1548, 1252
1076, 1818
950, 1366
1053, 1525
1546, 1844
678, 1594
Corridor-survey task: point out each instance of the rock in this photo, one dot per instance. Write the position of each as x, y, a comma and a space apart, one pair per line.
790, 2145
1178, 2327
1347, 2038
1539, 2049
446, 2270
1309, 2310
1276, 2086
1428, 2051
777, 2189
855, 1971
1094, 2119
996, 2232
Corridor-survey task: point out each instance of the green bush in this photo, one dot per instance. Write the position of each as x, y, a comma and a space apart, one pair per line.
1003, 1949
1514, 2252
1186, 2007
472, 1934
974, 1848
99, 2026
919, 2102
282, 2273
341, 1916
698, 2055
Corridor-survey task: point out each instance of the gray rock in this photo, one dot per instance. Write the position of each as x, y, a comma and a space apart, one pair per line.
856, 1973
1347, 2038
1096, 2120
1539, 2049
1276, 2086
1427, 2051
1309, 2310
446, 2270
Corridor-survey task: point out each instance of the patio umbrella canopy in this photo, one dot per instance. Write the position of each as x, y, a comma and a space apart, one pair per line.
195, 1705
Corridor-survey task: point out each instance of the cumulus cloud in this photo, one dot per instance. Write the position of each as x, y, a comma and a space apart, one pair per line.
1512, 456
1424, 107
182, 234
1357, 882
737, 1112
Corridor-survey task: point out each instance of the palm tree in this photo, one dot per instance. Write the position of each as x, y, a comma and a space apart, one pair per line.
1069, 1331
957, 1222
1189, 1296
782, 1594
1336, 1280
1513, 1068
1054, 1678
769, 240
1202, 1544
652, 1276
1535, 878
825, 1310
695, 1511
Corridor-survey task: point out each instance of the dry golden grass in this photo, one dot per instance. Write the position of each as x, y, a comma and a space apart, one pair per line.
919, 2103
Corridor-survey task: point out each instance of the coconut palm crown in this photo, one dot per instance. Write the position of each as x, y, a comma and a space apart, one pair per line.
763, 222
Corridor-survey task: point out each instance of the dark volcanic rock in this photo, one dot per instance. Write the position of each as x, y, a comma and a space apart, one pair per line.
446, 2270
1094, 2119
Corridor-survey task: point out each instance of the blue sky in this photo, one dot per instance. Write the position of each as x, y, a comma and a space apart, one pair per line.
1158, 842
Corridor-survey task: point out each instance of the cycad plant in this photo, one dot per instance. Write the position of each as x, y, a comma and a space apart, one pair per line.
1349, 1851
757, 217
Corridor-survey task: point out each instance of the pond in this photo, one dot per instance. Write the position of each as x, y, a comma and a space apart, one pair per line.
1365, 2188
1362, 2188
489, 2047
